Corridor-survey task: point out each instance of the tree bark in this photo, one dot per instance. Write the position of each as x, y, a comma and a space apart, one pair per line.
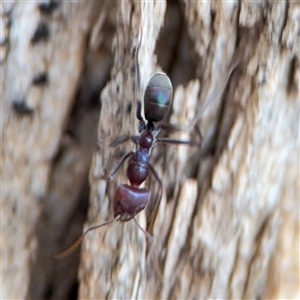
45, 157
227, 225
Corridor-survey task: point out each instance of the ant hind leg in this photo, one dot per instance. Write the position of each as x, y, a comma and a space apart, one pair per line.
154, 209
151, 239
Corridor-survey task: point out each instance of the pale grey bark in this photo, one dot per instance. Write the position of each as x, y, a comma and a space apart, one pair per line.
44, 167
228, 221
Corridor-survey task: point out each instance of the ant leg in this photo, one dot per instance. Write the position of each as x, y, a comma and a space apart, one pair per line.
76, 244
148, 236
137, 69
154, 210
151, 239
171, 127
118, 165
178, 142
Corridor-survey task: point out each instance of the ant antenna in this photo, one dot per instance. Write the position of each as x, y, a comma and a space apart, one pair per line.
213, 96
75, 245
137, 84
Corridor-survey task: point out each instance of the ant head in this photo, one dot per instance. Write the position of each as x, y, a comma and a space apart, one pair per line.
158, 97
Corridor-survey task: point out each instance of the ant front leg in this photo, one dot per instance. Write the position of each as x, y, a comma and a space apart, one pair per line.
118, 164
178, 142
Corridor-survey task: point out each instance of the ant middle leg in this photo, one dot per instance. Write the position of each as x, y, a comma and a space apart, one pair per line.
181, 142
178, 142
151, 239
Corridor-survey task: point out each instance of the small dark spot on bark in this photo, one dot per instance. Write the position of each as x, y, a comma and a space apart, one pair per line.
133, 52
291, 81
129, 107
132, 70
42, 33
40, 79
48, 8
14, 209
21, 107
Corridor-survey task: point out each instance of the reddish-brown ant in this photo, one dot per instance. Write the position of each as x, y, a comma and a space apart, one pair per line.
129, 200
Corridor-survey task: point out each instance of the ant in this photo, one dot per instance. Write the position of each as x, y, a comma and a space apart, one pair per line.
129, 200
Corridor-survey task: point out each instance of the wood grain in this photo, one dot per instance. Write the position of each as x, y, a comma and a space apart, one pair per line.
228, 224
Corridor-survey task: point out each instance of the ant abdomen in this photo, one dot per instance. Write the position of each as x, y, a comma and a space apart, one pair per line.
158, 97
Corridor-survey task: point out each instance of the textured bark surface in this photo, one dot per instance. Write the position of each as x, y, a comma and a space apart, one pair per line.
46, 152
228, 223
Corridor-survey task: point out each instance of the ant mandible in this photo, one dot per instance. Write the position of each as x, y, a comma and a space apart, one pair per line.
129, 200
